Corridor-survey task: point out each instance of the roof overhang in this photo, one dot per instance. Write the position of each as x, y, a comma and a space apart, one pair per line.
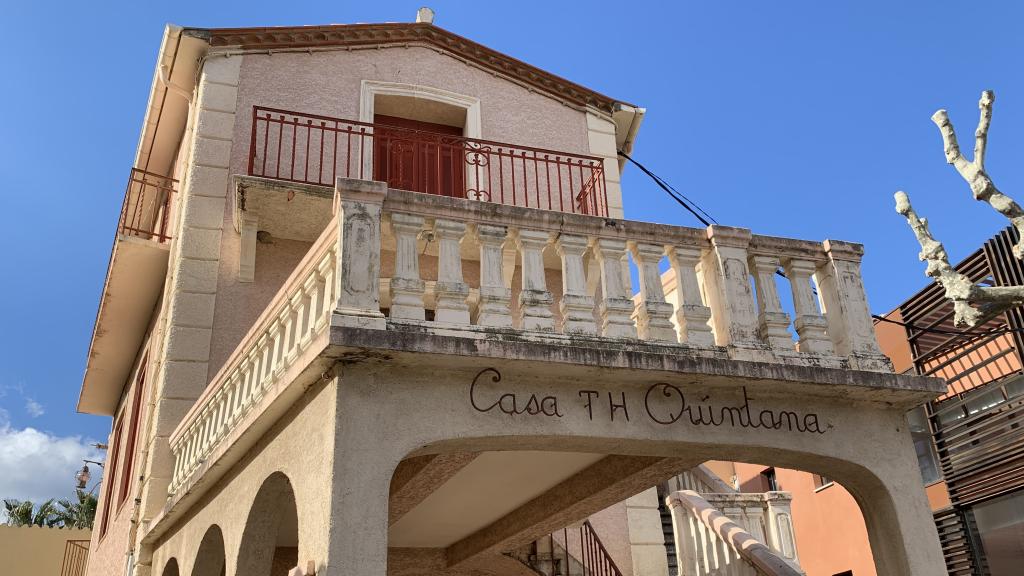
137, 267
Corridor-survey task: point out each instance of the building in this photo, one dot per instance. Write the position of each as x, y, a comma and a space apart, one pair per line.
369, 311
969, 446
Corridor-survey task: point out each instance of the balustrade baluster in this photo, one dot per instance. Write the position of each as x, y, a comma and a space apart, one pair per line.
495, 295
652, 314
773, 323
692, 316
616, 307
728, 288
809, 323
451, 290
841, 293
534, 300
406, 285
577, 305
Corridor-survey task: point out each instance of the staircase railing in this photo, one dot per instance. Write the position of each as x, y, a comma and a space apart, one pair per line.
709, 543
569, 552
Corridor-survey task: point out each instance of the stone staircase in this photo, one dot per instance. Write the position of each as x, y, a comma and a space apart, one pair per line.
711, 529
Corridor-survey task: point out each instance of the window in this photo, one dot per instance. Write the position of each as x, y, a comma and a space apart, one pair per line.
927, 459
110, 475
846, 573
769, 481
821, 481
133, 433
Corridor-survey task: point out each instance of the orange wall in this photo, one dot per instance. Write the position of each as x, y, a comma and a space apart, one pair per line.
830, 532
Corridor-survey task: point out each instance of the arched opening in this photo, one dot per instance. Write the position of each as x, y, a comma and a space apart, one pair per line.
171, 568
210, 560
270, 541
470, 504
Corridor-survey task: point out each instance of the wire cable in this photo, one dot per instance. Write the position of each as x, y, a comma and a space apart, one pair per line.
676, 195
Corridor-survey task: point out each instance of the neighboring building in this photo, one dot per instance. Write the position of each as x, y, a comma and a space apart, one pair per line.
43, 551
970, 442
369, 312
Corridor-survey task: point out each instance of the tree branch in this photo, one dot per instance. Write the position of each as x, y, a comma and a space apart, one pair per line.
958, 287
972, 304
981, 133
974, 172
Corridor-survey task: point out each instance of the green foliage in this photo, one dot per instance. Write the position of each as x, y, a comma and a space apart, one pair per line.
78, 514
64, 513
25, 513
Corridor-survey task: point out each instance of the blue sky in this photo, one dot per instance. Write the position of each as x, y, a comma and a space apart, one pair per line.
790, 118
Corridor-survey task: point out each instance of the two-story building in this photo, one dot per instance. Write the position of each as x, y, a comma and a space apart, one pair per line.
370, 310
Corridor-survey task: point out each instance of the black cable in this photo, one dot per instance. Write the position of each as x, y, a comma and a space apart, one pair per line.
676, 195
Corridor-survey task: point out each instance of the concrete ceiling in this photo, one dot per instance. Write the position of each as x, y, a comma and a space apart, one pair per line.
491, 486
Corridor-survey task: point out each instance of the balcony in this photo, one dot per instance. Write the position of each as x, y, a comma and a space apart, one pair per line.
135, 277
310, 149
505, 276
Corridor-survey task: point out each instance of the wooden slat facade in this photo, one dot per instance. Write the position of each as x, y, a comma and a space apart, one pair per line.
978, 425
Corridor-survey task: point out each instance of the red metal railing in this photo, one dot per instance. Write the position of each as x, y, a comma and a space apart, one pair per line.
147, 205
313, 149
76, 558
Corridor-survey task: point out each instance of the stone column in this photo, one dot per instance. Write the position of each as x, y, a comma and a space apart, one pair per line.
653, 315
810, 324
406, 285
359, 202
577, 306
495, 296
616, 306
451, 290
773, 323
534, 299
646, 538
692, 315
249, 226
728, 288
779, 524
842, 297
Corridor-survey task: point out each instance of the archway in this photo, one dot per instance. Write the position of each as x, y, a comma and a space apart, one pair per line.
270, 541
171, 568
210, 560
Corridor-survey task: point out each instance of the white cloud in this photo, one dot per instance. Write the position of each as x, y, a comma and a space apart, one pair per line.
34, 409
36, 465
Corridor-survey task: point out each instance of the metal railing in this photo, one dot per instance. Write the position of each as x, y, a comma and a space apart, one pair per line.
76, 558
312, 149
145, 212
576, 552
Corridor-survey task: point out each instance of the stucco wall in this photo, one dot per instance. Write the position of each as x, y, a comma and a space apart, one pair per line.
35, 551
830, 533
328, 83
299, 445
240, 303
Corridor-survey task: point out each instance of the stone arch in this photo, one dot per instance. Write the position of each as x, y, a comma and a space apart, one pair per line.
171, 568
882, 501
270, 540
210, 559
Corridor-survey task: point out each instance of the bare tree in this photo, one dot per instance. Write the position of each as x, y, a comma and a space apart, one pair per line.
972, 304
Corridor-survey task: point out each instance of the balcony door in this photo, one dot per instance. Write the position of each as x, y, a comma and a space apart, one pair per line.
419, 156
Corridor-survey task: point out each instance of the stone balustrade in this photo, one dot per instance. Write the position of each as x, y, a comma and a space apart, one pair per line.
393, 258
298, 314
734, 534
554, 276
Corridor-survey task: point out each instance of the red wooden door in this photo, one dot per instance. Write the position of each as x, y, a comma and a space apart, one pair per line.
419, 156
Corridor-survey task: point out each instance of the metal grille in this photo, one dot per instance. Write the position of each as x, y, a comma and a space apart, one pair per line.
959, 540
145, 212
76, 558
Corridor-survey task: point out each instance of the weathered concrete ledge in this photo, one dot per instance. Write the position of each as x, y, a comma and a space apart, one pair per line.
637, 360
